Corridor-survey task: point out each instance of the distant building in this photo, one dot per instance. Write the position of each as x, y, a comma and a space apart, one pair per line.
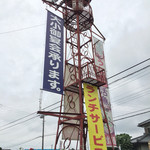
143, 142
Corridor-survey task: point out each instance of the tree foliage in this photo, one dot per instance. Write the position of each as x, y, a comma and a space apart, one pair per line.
124, 140
0, 148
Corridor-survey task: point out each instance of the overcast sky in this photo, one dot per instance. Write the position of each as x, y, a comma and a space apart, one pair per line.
126, 26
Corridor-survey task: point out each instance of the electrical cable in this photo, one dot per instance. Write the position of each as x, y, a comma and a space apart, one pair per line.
133, 98
129, 68
23, 142
130, 80
29, 118
21, 29
129, 75
132, 116
18, 119
55, 134
30, 140
23, 118
131, 112
131, 95
55, 108
139, 94
19, 123
59, 101
118, 96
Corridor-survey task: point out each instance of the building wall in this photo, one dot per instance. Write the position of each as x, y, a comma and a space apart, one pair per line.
143, 147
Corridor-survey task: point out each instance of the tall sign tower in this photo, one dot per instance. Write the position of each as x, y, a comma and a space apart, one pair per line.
83, 64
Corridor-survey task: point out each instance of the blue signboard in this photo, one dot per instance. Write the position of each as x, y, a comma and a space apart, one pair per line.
53, 65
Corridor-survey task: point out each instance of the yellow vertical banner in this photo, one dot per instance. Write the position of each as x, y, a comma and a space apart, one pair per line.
94, 117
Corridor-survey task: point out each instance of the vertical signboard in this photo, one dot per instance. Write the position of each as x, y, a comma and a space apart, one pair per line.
53, 65
99, 52
100, 61
94, 117
106, 102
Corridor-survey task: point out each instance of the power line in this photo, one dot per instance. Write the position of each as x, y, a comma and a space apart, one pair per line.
21, 29
133, 98
18, 119
122, 94
128, 68
30, 114
132, 95
19, 123
130, 100
24, 142
55, 134
31, 118
55, 108
132, 116
24, 118
132, 112
30, 140
129, 81
59, 101
129, 74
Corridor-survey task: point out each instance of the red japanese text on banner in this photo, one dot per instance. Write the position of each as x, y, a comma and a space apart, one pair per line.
95, 120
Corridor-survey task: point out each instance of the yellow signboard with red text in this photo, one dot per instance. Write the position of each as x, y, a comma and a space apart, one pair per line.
94, 117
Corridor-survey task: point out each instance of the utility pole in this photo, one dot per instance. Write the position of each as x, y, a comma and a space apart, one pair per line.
43, 125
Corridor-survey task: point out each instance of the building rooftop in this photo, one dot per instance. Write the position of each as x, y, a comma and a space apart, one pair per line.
144, 123
141, 139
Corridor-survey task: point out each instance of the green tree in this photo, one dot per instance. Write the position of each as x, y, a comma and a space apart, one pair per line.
124, 140
0, 148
